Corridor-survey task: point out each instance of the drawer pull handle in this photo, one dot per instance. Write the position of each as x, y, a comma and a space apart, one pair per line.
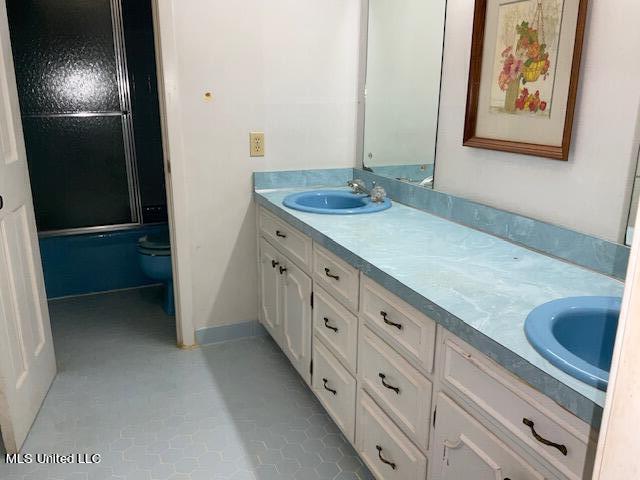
330, 327
325, 381
280, 234
274, 264
390, 387
282, 270
384, 460
389, 322
328, 273
530, 424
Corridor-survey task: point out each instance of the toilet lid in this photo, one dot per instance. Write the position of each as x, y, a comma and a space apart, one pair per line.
155, 241
154, 252
155, 244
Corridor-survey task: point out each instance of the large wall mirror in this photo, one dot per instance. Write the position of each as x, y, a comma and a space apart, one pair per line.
402, 87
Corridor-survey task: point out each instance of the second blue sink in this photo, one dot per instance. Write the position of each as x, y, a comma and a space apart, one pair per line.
577, 335
335, 202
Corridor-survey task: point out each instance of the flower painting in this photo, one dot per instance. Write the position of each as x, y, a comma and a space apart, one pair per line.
524, 74
526, 53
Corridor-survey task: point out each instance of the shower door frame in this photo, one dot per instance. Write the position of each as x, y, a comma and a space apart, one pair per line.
124, 94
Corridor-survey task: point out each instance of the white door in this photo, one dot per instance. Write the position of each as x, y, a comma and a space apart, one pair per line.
296, 318
27, 361
465, 449
270, 290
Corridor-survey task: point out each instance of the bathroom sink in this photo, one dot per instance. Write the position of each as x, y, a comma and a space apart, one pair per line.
334, 202
576, 334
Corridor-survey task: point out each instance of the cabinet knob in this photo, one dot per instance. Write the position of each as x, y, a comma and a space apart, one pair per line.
282, 270
280, 234
1, 202
274, 264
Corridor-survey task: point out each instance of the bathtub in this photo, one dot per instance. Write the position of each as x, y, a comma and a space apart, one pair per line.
94, 262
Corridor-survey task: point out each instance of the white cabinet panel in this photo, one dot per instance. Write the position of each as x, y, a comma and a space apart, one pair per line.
518, 408
402, 391
295, 244
296, 317
285, 306
270, 297
337, 276
404, 327
335, 387
384, 448
336, 326
464, 449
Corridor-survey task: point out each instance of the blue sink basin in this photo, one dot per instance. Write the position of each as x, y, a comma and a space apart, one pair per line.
334, 202
576, 334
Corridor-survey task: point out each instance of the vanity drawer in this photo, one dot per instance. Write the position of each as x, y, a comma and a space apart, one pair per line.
388, 453
510, 403
336, 327
404, 327
402, 391
335, 388
338, 277
296, 245
467, 450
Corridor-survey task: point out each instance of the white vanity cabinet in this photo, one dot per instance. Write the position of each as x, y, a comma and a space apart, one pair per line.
285, 296
515, 411
415, 400
270, 291
467, 450
296, 318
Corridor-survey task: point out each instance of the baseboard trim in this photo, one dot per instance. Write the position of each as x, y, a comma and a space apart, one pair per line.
225, 333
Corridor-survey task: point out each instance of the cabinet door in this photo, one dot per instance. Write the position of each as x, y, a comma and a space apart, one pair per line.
270, 282
465, 449
296, 318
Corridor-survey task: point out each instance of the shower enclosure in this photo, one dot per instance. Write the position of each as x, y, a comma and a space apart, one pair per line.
81, 93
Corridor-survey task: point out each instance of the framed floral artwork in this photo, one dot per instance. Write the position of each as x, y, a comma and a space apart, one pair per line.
523, 76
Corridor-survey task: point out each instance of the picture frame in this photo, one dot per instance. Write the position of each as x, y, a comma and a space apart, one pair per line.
524, 75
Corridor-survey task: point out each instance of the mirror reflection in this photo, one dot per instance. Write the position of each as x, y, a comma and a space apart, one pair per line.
404, 58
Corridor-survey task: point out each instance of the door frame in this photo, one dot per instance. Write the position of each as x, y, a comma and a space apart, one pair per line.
175, 171
619, 440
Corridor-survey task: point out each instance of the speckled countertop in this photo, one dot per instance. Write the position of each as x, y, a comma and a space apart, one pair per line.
462, 278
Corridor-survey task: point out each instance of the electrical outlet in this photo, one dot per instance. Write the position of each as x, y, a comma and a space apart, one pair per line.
256, 144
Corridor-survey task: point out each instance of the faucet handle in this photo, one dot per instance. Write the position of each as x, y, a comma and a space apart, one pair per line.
378, 194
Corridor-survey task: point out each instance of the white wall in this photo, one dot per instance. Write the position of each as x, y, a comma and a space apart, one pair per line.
285, 67
589, 193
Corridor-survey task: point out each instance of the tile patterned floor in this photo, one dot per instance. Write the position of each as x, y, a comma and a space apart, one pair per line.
230, 411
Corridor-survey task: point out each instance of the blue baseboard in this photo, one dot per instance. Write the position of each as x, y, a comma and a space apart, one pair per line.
224, 333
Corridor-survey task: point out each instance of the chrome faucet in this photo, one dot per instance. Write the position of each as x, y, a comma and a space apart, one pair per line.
427, 182
376, 193
358, 186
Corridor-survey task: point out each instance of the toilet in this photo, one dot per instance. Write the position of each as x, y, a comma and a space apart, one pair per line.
154, 255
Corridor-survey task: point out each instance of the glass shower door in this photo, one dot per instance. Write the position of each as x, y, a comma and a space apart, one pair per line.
72, 80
